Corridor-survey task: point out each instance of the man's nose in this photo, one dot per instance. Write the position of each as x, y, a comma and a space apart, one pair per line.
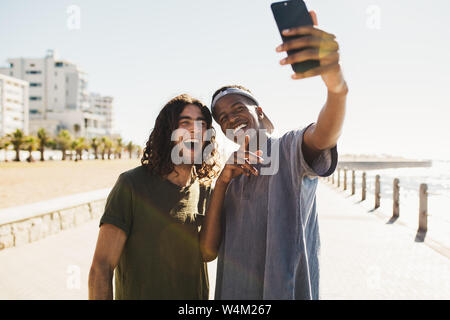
233, 118
196, 128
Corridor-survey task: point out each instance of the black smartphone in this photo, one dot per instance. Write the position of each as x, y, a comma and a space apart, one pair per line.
290, 14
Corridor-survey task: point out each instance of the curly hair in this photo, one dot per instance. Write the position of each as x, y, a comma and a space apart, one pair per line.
157, 152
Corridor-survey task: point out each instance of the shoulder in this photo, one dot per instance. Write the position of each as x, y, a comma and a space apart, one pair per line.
289, 140
293, 138
294, 134
135, 175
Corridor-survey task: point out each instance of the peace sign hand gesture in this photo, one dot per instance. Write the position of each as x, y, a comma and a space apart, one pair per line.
240, 163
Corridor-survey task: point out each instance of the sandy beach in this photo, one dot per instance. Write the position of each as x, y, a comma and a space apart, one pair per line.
24, 183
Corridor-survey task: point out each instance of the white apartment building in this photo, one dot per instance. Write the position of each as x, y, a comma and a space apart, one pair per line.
13, 105
100, 117
55, 85
58, 97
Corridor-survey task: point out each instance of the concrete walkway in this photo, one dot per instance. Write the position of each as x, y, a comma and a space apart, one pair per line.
362, 257
56, 267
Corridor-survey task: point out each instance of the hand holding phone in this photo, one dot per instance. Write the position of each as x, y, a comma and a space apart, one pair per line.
292, 14
310, 50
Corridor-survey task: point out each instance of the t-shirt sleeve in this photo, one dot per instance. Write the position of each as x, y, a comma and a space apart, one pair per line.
322, 166
119, 205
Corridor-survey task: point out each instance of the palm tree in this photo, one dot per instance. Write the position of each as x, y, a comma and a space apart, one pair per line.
64, 142
44, 141
73, 147
130, 148
101, 149
138, 151
52, 145
107, 146
4, 144
17, 139
86, 146
95, 143
31, 144
79, 145
119, 147
113, 150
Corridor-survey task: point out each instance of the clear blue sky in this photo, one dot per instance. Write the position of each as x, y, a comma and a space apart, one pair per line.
145, 52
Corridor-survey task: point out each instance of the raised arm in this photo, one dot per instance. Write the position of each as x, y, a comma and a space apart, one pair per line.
320, 45
211, 231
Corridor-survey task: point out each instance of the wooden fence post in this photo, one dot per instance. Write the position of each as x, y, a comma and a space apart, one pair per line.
396, 198
353, 182
377, 191
363, 187
339, 178
423, 208
345, 179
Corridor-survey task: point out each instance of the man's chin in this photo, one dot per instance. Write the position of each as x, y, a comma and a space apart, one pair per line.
239, 137
192, 157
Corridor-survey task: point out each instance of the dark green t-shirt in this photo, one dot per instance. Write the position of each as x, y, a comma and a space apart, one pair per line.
161, 258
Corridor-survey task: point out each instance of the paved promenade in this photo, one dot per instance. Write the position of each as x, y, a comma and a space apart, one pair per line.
362, 257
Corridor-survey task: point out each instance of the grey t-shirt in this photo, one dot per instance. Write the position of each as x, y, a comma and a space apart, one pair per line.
270, 240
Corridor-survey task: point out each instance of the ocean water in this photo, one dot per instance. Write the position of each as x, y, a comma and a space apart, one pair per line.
437, 178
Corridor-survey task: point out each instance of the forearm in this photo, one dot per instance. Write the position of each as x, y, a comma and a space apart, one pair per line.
329, 124
100, 284
211, 232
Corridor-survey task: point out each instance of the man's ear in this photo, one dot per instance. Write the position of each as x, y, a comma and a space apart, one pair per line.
314, 17
260, 112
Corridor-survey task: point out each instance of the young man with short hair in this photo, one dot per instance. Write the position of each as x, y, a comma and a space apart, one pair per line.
264, 227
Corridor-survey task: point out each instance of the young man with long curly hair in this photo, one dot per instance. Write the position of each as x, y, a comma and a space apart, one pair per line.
149, 232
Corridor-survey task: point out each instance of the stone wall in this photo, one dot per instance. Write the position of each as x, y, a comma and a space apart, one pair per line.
17, 233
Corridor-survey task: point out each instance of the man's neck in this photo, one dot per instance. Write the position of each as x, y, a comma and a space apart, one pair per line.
181, 175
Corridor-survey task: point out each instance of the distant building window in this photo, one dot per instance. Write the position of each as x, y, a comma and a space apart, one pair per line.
60, 127
34, 111
35, 98
35, 84
59, 64
32, 64
33, 72
11, 65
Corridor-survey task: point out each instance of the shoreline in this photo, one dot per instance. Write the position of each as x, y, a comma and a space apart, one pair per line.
383, 164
